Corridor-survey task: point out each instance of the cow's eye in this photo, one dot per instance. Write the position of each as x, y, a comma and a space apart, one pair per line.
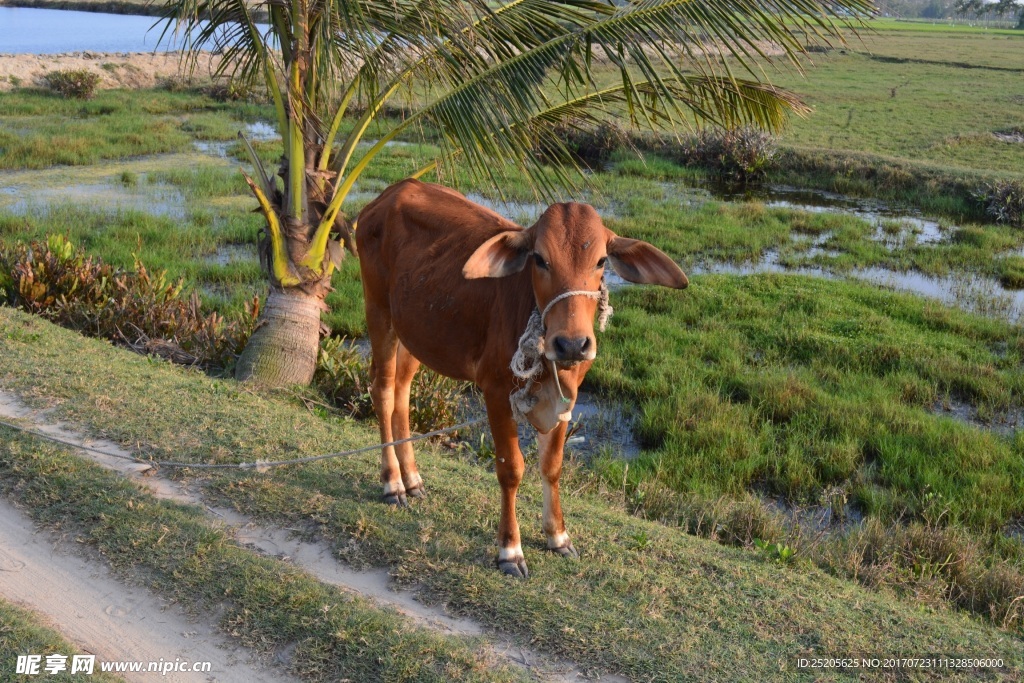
603, 260
541, 263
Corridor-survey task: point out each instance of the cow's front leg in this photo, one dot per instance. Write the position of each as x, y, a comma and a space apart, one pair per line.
509, 467
549, 451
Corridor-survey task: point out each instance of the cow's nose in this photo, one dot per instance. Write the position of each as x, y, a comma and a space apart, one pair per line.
572, 349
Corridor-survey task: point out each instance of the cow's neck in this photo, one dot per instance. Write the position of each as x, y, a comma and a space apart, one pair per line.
537, 397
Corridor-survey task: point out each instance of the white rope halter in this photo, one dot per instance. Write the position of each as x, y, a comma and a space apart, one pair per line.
527, 363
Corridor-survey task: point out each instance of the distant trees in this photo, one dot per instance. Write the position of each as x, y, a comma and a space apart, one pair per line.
945, 9
1011, 9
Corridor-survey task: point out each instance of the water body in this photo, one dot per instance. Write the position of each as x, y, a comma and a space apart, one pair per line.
25, 30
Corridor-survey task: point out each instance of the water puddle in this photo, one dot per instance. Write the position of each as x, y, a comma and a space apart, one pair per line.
894, 226
228, 254
259, 131
111, 195
833, 514
527, 213
601, 427
1016, 137
972, 293
598, 427
523, 213
109, 186
962, 411
1015, 530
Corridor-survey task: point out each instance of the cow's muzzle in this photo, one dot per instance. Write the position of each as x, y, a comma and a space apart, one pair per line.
572, 349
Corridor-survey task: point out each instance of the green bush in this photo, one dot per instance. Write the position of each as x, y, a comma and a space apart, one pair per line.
734, 155
78, 83
235, 91
592, 146
137, 308
1004, 201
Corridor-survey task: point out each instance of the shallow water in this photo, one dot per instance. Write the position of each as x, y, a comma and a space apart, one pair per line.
969, 292
525, 213
603, 427
879, 213
100, 186
111, 195
259, 131
826, 519
961, 411
228, 254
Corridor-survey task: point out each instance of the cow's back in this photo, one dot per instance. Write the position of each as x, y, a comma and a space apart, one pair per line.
413, 241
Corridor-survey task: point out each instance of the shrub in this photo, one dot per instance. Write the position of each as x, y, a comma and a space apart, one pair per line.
137, 308
735, 155
78, 83
591, 146
1004, 201
343, 376
174, 84
235, 91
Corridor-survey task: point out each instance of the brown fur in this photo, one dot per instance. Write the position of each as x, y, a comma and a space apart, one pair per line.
452, 285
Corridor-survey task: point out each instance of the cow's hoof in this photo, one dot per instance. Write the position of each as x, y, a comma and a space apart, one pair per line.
514, 567
566, 550
396, 499
417, 491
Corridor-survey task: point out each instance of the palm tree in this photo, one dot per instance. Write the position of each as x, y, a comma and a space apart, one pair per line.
494, 80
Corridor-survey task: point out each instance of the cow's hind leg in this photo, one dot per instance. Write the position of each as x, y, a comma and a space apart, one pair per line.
549, 451
509, 468
384, 349
407, 365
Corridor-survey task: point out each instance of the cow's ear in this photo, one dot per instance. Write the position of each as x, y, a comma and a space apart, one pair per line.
642, 263
504, 254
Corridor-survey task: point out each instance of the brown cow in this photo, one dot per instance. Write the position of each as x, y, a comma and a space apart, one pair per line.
453, 285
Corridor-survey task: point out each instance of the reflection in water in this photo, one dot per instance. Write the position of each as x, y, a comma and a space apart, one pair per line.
154, 199
969, 292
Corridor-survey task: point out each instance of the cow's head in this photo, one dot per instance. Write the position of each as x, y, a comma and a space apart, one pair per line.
567, 250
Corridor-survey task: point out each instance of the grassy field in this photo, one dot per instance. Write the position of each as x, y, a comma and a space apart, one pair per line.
644, 600
937, 110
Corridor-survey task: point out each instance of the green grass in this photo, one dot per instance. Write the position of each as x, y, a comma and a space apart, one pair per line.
884, 26
908, 110
23, 633
645, 600
790, 385
39, 129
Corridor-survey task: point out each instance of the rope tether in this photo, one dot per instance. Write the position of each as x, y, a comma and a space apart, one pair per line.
527, 363
259, 465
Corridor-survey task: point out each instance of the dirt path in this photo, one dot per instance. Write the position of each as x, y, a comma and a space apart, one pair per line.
314, 557
107, 618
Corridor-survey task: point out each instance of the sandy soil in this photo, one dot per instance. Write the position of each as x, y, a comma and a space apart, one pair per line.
314, 557
107, 618
116, 69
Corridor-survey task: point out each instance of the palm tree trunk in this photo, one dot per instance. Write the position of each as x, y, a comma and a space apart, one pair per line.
283, 349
